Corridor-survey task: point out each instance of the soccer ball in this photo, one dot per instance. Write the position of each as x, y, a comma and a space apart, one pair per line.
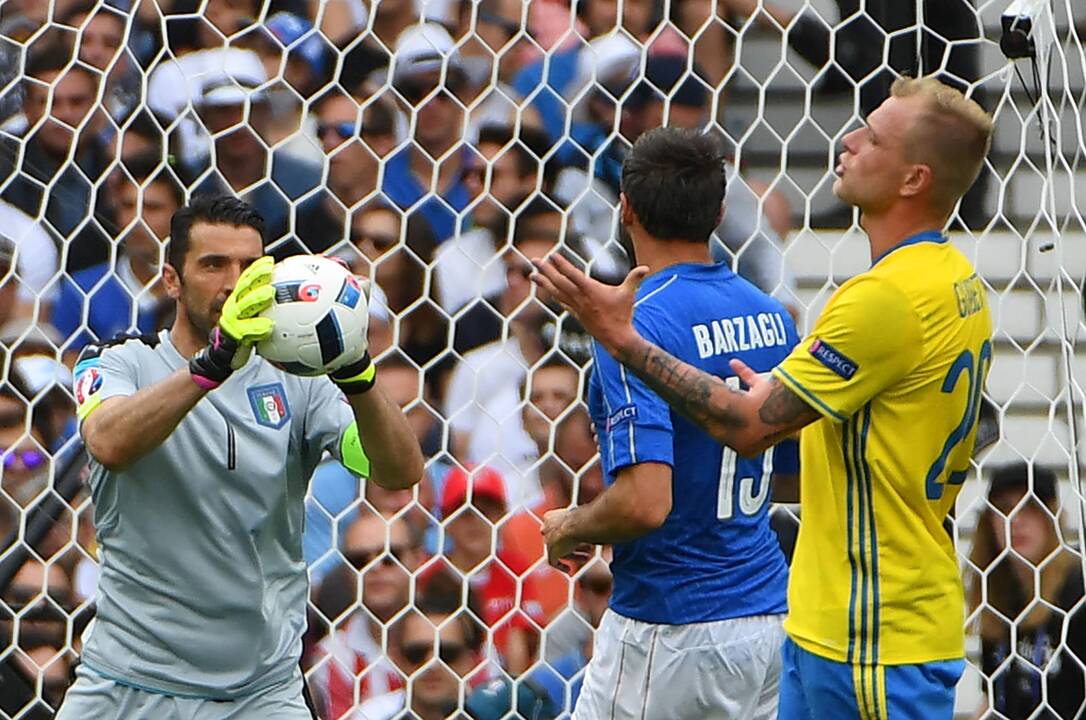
320, 314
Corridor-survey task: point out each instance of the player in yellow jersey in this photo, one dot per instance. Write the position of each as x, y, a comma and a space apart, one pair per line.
887, 390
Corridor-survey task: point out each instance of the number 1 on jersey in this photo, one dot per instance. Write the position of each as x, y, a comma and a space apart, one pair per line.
751, 500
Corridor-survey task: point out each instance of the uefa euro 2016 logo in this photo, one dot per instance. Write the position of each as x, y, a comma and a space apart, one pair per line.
269, 403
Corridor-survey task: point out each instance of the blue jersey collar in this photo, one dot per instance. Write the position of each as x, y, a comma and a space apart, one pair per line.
934, 236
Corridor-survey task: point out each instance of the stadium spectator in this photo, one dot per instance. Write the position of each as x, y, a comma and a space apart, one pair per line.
427, 174
569, 476
538, 227
354, 141
437, 650
561, 677
141, 137
505, 174
102, 32
473, 503
50, 384
235, 111
26, 437
398, 268
482, 399
35, 170
104, 300
294, 58
198, 57
1027, 587
489, 33
28, 264
354, 665
41, 595
334, 491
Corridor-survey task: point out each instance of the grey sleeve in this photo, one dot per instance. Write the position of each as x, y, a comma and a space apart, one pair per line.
745, 234
328, 417
102, 373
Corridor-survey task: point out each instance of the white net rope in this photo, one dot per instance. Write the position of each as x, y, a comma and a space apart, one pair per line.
436, 146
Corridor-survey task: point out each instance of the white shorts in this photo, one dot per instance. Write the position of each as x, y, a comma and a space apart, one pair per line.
726, 670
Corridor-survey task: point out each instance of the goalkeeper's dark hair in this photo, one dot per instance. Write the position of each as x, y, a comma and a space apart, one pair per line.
674, 181
213, 210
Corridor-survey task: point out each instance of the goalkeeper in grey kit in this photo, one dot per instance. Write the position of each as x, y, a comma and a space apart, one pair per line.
200, 459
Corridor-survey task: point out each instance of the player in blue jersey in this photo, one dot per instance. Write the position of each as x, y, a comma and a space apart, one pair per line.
694, 629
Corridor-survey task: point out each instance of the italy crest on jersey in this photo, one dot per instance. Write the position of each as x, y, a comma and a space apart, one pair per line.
269, 403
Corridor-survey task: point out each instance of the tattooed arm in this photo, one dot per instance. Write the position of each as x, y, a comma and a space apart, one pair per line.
747, 420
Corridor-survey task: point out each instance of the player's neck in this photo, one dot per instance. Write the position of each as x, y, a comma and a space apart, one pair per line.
659, 254
888, 229
185, 338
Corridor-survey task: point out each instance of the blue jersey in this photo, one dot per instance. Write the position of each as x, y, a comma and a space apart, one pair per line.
715, 557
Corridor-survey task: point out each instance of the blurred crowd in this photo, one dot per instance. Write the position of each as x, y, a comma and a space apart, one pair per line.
435, 146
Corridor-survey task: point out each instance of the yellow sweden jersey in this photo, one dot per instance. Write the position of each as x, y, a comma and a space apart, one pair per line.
896, 365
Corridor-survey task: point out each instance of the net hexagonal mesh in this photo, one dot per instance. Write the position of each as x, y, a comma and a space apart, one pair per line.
437, 146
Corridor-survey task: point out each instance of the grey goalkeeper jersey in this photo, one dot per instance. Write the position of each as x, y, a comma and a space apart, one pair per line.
203, 587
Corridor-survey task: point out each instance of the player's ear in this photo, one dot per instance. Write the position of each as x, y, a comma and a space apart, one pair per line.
171, 279
626, 214
918, 180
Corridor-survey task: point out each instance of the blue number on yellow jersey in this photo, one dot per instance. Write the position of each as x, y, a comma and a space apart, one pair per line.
895, 364
715, 557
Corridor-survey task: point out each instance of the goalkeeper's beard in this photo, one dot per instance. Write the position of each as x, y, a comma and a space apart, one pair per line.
201, 321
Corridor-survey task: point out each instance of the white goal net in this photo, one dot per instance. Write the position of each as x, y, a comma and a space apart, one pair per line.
436, 145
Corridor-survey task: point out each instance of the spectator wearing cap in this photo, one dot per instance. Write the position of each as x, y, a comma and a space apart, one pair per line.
1026, 584
36, 174
354, 140
437, 650
473, 504
352, 661
107, 299
234, 109
427, 174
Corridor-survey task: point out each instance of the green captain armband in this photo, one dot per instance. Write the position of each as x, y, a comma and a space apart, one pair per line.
351, 453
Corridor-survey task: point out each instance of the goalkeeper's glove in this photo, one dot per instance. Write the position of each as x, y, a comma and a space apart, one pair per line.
356, 378
231, 342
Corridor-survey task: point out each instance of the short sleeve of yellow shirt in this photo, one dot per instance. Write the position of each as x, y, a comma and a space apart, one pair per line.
866, 339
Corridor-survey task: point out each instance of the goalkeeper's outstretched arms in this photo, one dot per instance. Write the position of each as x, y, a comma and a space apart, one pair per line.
119, 428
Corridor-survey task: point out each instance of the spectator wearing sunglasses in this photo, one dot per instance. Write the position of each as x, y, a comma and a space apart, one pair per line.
381, 555
437, 650
429, 170
25, 438
354, 139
